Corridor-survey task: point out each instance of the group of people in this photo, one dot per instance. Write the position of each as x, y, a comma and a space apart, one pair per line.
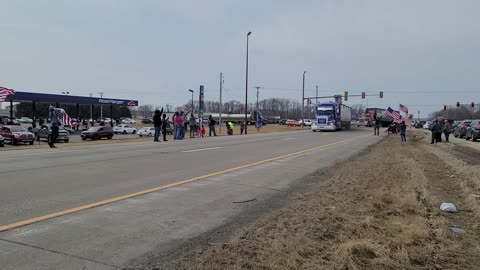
160, 124
439, 127
393, 128
181, 124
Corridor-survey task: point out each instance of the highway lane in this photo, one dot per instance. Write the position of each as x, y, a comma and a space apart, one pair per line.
46, 181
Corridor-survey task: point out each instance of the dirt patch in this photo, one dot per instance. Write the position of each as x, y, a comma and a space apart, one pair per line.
467, 154
379, 211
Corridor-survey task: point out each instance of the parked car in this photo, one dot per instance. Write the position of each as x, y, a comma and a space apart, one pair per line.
25, 120
420, 124
128, 121
305, 122
461, 129
291, 123
473, 131
427, 125
17, 134
147, 121
45, 132
282, 122
124, 129
146, 131
2, 141
97, 133
13, 122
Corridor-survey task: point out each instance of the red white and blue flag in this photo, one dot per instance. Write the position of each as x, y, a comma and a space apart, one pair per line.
403, 108
63, 117
393, 114
5, 92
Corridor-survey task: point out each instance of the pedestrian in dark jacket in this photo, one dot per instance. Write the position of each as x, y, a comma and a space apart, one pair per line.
211, 126
165, 124
242, 127
157, 124
436, 132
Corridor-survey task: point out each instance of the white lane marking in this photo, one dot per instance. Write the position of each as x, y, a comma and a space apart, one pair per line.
202, 149
285, 139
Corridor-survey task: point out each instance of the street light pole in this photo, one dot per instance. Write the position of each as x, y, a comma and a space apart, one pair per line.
101, 107
191, 91
246, 87
258, 87
303, 98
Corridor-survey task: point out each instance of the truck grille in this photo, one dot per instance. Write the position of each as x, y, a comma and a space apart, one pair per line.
322, 121
25, 136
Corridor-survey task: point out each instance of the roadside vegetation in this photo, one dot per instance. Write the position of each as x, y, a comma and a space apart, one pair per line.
378, 211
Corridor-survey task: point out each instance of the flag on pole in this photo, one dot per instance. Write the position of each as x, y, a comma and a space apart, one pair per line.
393, 114
63, 117
404, 109
5, 92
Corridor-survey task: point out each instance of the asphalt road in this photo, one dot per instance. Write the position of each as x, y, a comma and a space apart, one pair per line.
78, 208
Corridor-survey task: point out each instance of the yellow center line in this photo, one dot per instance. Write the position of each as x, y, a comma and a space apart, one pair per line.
143, 192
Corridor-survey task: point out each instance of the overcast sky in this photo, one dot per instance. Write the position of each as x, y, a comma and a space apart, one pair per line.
418, 52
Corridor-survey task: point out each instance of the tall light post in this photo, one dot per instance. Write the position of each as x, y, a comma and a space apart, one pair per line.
246, 87
303, 98
191, 91
101, 107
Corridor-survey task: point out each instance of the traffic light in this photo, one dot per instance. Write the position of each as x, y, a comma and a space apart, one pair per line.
472, 104
381, 94
458, 104
346, 95
363, 95
444, 107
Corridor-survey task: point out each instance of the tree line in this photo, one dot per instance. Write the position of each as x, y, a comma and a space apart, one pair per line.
284, 107
458, 113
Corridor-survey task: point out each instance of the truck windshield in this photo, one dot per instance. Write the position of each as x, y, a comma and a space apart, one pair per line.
324, 111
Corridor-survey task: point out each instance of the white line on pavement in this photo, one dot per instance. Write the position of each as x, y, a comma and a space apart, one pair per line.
202, 149
285, 139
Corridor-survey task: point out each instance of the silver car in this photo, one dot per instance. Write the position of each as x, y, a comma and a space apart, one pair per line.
2, 141
45, 131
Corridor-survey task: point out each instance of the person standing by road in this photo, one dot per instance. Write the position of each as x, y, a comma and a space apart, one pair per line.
376, 128
402, 128
157, 124
211, 126
242, 127
164, 127
436, 131
193, 126
54, 126
447, 129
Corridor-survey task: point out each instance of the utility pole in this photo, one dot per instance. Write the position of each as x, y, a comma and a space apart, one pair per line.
316, 96
220, 116
258, 87
246, 88
303, 98
101, 107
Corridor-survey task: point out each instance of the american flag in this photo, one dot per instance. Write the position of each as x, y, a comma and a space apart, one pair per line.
393, 114
63, 117
403, 108
5, 92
